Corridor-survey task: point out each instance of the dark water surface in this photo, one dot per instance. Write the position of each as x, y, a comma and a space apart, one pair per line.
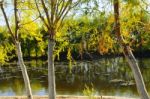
108, 76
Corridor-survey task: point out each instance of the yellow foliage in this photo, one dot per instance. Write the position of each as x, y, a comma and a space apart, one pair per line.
3, 55
111, 19
131, 19
30, 28
105, 43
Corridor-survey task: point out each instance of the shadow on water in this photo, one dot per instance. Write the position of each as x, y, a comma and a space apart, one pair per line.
109, 76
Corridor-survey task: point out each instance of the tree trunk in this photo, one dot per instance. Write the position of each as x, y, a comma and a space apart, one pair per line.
51, 70
129, 55
137, 73
24, 71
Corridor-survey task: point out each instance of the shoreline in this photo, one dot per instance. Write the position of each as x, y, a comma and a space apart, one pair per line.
86, 56
66, 97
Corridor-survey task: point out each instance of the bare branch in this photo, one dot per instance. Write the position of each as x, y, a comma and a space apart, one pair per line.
16, 19
6, 20
64, 10
40, 15
63, 4
76, 3
144, 10
52, 10
57, 7
30, 21
64, 15
145, 3
46, 12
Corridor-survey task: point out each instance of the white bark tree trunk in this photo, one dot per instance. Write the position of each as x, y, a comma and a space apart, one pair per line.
137, 74
24, 71
51, 70
129, 55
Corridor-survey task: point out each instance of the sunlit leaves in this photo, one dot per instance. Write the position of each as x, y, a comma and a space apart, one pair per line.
105, 43
89, 31
130, 22
3, 55
6, 45
132, 2
29, 29
5, 50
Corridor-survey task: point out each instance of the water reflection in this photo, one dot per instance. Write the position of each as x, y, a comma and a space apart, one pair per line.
109, 76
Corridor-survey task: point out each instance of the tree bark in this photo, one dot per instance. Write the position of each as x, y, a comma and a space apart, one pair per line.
24, 71
51, 70
129, 55
137, 73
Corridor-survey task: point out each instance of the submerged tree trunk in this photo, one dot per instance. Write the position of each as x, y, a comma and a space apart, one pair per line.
51, 70
129, 55
24, 71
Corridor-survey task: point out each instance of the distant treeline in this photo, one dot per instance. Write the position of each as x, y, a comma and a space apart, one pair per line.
82, 37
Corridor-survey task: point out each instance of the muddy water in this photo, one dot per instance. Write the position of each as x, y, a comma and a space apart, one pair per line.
106, 76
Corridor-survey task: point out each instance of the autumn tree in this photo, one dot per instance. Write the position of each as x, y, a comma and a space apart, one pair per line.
128, 53
54, 13
15, 36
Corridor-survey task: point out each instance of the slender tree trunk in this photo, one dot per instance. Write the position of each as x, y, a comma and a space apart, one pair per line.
24, 71
129, 55
137, 73
51, 70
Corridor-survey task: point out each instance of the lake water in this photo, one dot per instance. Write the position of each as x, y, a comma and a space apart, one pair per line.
107, 76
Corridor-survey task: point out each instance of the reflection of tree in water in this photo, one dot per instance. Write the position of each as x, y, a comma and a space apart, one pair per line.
17, 86
104, 69
4, 86
104, 74
87, 72
36, 86
70, 78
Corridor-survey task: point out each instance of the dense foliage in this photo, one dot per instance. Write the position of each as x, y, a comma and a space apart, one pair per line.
92, 30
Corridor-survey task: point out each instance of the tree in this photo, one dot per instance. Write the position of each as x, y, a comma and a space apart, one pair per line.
54, 13
128, 54
14, 33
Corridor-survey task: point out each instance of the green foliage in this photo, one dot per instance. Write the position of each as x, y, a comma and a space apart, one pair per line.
6, 46
3, 56
133, 2
133, 24
89, 92
88, 32
5, 51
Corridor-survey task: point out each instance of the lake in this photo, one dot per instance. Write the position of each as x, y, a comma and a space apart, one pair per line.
106, 76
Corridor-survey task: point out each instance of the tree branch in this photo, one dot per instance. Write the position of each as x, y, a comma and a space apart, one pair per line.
69, 2
30, 21
57, 7
145, 3
63, 16
16, 19
7, 23
52, 10
63, 10
40, 15
46, 12
63, 4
